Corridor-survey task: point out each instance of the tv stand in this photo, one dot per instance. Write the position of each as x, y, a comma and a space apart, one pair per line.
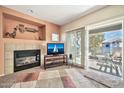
55, 60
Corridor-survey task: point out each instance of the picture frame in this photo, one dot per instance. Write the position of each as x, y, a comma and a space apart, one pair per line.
55, 37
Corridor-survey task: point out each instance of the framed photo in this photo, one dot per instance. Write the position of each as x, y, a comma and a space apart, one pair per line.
55, 37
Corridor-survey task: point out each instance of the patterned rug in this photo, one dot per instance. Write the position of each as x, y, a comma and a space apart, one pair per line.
61, 78
43, 79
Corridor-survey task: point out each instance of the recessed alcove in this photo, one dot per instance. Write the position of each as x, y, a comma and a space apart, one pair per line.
19, 28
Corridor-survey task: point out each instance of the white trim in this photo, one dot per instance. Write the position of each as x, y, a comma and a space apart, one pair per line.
105, 23
86, 48
123, 50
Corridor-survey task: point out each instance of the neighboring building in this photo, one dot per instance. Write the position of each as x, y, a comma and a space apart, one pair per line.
108, 46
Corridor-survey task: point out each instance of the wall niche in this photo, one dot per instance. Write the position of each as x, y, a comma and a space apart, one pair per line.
18, 28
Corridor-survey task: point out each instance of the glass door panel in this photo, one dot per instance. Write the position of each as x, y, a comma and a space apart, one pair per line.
105, 50
78, 47
74, 46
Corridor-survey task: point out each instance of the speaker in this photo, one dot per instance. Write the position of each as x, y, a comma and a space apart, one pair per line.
70, 56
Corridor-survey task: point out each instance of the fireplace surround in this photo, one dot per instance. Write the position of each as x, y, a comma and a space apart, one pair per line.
24, 59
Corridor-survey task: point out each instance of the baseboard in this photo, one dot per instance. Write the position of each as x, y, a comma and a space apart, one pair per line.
77, 66
2, 75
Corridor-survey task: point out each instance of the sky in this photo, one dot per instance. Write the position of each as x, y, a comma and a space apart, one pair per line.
112, 34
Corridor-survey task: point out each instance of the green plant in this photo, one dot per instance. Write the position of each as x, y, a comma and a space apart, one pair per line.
95, 40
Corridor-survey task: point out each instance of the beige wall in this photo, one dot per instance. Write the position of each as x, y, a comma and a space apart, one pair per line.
109, 12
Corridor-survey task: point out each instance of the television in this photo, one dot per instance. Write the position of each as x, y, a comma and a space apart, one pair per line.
55, 48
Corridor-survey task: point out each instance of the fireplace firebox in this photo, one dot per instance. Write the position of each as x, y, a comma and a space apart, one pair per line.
24, 59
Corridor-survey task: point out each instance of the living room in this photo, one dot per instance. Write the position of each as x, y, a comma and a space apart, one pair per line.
31, 36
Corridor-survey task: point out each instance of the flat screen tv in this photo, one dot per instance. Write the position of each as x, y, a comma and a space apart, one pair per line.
55, 48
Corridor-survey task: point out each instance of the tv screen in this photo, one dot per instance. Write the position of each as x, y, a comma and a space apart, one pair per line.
55, 48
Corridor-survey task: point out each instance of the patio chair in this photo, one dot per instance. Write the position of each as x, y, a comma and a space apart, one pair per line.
103, 59
117, 55
115, 59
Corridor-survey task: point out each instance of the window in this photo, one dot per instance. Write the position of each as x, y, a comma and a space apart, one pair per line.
55, 37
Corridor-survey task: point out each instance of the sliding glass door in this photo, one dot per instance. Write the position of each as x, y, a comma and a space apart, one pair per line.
105, 49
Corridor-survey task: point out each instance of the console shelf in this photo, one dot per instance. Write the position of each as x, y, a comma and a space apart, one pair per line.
54, 60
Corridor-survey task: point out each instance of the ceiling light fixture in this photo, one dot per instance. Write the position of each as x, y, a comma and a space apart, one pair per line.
30, 11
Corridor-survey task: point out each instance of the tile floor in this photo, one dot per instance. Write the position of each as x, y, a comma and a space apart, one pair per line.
58, 77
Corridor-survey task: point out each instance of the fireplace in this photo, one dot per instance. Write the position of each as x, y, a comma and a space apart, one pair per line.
24, 59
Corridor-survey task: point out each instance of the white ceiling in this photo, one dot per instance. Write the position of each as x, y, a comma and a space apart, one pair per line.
58, 14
